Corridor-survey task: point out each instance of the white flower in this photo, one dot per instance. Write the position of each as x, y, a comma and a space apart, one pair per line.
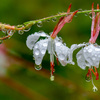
89, 56
55, 47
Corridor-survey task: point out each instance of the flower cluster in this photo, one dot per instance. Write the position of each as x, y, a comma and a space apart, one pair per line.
89, 55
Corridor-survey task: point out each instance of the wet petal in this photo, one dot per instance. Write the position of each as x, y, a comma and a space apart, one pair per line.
74, 47
92, 55
40, 50
80, 59
62, 52
31, 39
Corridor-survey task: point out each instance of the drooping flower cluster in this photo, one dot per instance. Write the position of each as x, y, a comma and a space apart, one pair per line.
89, 55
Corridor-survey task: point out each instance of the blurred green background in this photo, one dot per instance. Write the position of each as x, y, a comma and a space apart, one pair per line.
20, 81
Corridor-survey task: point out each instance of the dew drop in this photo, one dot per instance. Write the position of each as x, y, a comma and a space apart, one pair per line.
39, 24
54, 19
26, 30
21, 32
90, 15
52, 78
95, 89
86, 14
61, 56
45, 44
38, 67
58, 44
10, 32
80, 9
90, 50
87, 78
37, 52
43, 51
4, 31
48, 20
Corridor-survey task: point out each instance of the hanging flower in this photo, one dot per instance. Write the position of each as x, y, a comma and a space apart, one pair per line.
90, 54
51, 43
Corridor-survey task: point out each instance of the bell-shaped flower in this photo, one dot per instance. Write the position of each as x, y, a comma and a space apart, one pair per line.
89, 55
51, 43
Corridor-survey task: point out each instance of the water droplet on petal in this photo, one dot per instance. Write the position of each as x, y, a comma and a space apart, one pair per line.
43, 51
45, 44
39, 24
52, 78
95, 89
54, 19
21, 32
61, 56
37, 52
58, 44
38, 67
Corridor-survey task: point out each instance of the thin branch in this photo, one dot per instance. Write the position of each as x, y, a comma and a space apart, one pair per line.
27, 25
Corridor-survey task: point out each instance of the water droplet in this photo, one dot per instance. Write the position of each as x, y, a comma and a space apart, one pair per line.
54, 19
75, 15
90, 15
48, 20
90, 50
37, 52
26, 30
86, 14
87, 78
43, 51
21, 32
61, 56
95, 89
80, 9
58, 44
38, 67
10, 32
52, 78
39, 24
4, 31
45, 44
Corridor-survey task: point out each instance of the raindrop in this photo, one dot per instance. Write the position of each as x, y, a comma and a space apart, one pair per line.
4, 31
45, 44
87, 78
37, 52
80, 9
43, 51
90, 15
21, 32
86, 14
58, 44
95, 89
48, 20
52, 78
10, 32
38, 67
39, 24
26, 30
54, 19
61, 56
